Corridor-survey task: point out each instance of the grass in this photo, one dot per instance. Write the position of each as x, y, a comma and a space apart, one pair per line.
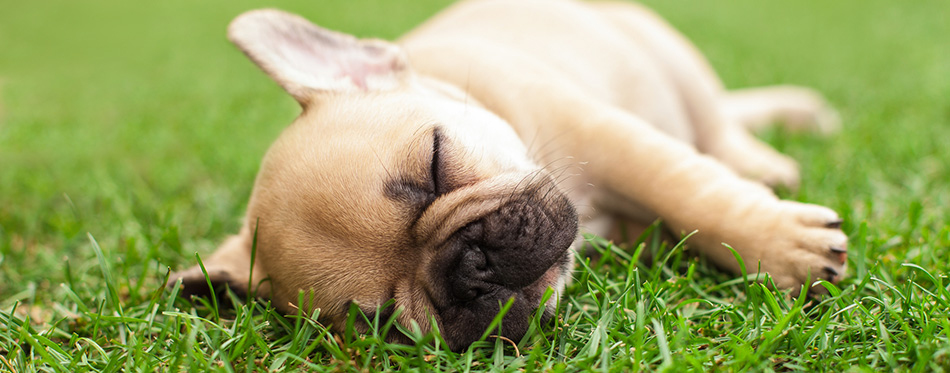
131, 133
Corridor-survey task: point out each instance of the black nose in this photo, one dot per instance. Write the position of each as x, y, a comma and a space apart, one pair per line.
470, 276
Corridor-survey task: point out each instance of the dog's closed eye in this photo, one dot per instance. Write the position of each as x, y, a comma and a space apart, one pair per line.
437, 176
421, 192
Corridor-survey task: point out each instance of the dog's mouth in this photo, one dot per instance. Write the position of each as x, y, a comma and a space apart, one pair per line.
514, 253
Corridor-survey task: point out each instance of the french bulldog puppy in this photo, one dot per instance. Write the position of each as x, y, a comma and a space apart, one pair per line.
450, 171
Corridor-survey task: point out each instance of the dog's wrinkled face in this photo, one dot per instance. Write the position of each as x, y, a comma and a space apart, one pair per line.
401, 196
391, 186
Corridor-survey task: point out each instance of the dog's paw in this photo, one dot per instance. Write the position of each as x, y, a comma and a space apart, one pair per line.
795, 243
797, 109
755, 160
805, 244
818, 117
805, 110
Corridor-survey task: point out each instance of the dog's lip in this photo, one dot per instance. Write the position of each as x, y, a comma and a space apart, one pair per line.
555, 274
555, 278
533, 293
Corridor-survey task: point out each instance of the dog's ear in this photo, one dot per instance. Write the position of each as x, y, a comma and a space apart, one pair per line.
307, 60
229, 266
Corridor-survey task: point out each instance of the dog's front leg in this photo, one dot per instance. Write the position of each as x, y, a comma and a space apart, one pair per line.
628, 159
793, 242
632, 160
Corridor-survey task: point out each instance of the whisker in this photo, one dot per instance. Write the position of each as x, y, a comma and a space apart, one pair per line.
380, 160
525, 180
553, 140
531, 144
411, 149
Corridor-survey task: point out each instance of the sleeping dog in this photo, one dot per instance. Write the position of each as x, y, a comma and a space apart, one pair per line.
448, 172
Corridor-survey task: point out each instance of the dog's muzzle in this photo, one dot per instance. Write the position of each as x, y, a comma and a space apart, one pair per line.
514, 252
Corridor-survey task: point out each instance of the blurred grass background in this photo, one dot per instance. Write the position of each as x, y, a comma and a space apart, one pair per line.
138, 123
128, 119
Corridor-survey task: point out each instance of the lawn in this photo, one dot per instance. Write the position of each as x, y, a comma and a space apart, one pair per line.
130, 134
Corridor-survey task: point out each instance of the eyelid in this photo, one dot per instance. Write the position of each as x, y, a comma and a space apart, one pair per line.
436, 167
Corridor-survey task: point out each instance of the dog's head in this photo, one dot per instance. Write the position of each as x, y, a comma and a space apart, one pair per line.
390, 186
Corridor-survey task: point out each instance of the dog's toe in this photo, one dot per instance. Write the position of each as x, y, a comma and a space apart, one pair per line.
796, 244
834, 224
839, 254
831, 274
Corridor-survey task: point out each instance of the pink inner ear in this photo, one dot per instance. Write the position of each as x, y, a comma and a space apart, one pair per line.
323, 61
371, 61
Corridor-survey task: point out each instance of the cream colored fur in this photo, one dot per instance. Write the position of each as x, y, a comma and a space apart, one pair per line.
606, 100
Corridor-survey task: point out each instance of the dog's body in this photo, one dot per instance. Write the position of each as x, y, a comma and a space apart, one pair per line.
451, 174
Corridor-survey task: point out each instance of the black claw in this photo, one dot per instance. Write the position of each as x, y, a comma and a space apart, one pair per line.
838, 250
834, 224
832, 273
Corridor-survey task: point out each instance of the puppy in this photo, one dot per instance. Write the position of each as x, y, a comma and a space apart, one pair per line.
449, 172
